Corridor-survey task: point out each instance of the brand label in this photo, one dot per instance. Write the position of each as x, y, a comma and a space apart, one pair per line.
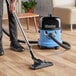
50, 26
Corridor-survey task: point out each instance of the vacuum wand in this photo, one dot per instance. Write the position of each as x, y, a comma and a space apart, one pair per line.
37, 62
24, 35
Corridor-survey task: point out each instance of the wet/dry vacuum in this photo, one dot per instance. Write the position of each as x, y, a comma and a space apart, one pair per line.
49, 25
50, 33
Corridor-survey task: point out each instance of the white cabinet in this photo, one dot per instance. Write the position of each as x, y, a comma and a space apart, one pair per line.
43, 7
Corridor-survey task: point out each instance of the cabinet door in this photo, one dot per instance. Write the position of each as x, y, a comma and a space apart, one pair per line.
43, 7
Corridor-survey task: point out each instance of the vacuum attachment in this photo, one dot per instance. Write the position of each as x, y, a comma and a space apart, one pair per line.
38, 64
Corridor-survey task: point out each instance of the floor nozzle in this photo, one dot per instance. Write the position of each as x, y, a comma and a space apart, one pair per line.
41, 64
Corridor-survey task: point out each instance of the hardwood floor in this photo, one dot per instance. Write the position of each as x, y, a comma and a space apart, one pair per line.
17, 64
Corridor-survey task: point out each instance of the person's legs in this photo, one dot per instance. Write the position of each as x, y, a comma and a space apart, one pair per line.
1, 13
13, 32
12, 25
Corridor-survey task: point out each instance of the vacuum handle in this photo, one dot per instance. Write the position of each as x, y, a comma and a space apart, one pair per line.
64, 44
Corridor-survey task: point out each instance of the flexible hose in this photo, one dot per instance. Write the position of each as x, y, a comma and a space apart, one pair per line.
64, 44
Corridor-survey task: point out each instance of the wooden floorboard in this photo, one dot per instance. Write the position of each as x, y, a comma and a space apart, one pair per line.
17, 64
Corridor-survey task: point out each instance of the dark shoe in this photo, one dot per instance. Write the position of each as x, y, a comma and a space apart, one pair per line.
1, 49
15, 46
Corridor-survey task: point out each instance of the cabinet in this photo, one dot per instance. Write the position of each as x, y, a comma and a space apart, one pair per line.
43, 7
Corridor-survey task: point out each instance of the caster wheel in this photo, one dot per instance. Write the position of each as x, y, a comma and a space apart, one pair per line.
57, 47
41, 47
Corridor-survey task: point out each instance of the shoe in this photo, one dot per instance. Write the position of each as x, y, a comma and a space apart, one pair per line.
15, 46
1, 51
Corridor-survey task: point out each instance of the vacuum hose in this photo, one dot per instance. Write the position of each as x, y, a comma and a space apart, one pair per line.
64, 44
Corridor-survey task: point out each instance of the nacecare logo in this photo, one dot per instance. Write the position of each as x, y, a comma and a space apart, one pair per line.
50, 26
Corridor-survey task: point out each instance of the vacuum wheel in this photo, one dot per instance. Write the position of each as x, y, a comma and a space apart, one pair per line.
57, 47
42, 47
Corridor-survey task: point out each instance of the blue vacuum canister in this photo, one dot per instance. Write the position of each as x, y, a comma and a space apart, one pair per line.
49, 25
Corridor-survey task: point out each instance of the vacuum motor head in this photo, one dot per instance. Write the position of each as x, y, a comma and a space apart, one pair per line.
50, 23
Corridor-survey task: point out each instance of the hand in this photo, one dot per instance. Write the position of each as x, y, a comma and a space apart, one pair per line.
12, 7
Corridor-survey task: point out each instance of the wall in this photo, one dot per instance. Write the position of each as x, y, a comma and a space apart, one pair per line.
43, 7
